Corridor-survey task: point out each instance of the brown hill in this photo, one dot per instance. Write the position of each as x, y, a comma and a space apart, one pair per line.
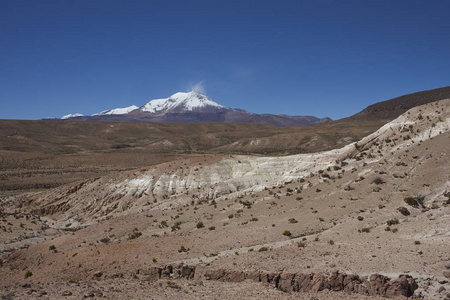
391, 109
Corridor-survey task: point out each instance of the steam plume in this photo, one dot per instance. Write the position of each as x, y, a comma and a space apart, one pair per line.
198, 88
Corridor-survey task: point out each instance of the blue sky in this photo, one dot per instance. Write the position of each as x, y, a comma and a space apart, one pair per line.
322, 57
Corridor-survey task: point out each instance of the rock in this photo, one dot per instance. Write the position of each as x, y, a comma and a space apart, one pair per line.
441, 289
404, 285
360, 218
152, 274
286, 282
378, 284
42, 293
253, 276
404, 211
98, 274
336, 281
317, 283
446, 274
187, 272
166, 272
236, 276
66, 293
199, 272
89, 295
214, 274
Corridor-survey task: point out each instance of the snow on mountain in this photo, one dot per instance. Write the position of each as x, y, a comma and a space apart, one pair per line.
71, 116
187, 101
117, 111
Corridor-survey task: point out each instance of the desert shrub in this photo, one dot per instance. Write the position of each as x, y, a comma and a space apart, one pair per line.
183, 249
212, 228
200, 225
287, 233
301, 244
262, 249
292, 220
348, 188
134, 235
28, 274
52, 248
415, 201
366, 230
404, 211
105, 240
378, 180
230, 216
392, 222
253, 219
416, 242
331, 242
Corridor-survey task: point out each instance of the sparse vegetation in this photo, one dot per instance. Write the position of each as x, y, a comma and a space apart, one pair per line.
287, 233
200, 225
392, 222
378, 180
135, 234
415, 201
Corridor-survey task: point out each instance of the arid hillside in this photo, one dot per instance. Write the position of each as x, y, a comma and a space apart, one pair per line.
369, 219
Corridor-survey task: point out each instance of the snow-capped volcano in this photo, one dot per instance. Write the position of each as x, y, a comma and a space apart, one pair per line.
191, 107
71, 116
117, 111
180, 101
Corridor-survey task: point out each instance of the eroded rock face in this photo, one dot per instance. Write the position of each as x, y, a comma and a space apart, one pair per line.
374, 285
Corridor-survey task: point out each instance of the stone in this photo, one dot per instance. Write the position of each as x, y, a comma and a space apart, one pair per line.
286, 282
377, 284
446, 274
253, 276
236, 276
152, 274
199, 272
66, 293
187, 272
98, 274
317, 283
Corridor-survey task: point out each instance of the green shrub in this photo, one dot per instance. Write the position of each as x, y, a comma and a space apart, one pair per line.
262, 249
200, 225
415, 201
28, 274
134, 235
392, 222
287, 233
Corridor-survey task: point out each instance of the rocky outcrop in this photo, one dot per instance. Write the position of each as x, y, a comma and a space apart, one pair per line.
373, 285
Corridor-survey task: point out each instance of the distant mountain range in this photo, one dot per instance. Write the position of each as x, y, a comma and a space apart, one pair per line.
191, 107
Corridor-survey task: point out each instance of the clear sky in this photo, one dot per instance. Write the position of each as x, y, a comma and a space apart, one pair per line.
319, 57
